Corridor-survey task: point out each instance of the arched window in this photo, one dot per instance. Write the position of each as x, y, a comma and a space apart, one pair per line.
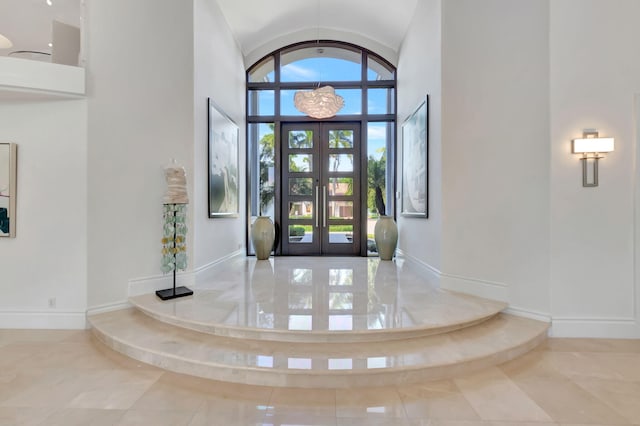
315, 178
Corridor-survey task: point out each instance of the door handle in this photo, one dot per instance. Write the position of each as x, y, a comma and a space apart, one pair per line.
317, 209
324, 205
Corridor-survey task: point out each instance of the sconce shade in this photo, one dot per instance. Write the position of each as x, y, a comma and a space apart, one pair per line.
581, 146
5, 43
319, 103
591, 146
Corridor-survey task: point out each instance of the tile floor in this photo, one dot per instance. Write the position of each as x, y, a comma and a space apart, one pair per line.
66, 378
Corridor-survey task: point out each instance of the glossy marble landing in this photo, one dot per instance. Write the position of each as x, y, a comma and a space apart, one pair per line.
319, 299
319, 365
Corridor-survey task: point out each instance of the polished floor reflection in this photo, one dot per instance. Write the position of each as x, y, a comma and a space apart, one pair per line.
65, 378
318, 322
319, 295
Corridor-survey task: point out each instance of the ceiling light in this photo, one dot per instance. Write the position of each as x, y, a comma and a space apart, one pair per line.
50, 44
49, 2
319, 103
5, 43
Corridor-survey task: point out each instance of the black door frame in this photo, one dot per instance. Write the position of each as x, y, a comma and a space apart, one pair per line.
319, 196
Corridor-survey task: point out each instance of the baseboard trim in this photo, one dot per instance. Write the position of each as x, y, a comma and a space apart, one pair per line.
205, 267
613, 328
527, 313
108, 307
150, 284
54, 320
434, 273
146, 285
475, 286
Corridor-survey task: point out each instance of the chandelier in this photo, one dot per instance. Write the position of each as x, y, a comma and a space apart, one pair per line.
5, 43
319, 103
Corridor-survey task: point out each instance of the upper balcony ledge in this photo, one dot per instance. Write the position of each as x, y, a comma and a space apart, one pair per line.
24, 79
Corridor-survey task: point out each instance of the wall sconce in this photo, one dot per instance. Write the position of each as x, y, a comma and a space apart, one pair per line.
591, 146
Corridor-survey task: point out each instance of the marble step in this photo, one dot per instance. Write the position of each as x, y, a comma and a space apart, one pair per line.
426, 311
317, 365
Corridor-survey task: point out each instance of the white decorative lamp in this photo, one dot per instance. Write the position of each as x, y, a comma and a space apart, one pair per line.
319, 103
591, 146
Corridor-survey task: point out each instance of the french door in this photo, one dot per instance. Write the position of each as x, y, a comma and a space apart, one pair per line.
320, 189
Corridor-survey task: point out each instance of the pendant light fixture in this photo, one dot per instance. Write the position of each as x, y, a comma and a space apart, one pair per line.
323, 101
5, 43
319, 103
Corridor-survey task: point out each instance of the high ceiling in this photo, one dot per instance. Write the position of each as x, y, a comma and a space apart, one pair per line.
259, 26
256, 23
27, 23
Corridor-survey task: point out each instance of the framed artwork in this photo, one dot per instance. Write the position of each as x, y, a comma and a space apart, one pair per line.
415, 165
8, 176
224, 176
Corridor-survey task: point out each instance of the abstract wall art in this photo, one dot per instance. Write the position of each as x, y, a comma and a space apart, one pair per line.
224, 176
8, 176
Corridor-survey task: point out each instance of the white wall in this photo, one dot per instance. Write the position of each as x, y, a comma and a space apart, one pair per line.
595, 72
219, 74
140, 99
48, 257
419, 74
495, 152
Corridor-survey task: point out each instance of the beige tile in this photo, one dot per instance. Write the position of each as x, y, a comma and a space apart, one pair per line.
293, 402
566, 402
299, 419
175, 392
16, 353
83, 417
496, 423
441, 422
229, 412
436, 400
260, 395
588, 424
53, 388
622, 396
379, 421
591, 345
495, 397
625, 366
597, 365
77, 355
534, 363
369, 403
49, 336
113, 359
156, 418
116, 389
62, 387
15, 416
13, 381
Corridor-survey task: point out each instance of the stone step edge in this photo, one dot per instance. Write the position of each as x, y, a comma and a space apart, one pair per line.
293, 336
317, 379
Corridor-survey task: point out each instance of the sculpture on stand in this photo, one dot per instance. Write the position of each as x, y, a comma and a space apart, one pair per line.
174, 239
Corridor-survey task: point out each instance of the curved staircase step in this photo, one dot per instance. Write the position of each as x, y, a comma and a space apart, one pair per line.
425, 311
317, 365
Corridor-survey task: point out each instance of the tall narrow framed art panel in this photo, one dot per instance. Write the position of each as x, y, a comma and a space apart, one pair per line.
415, 162
224, 174
8, 177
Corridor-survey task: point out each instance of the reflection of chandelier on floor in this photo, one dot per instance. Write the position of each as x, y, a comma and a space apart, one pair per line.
319, 103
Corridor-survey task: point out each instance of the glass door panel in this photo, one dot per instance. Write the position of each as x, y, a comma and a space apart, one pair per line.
321, 200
